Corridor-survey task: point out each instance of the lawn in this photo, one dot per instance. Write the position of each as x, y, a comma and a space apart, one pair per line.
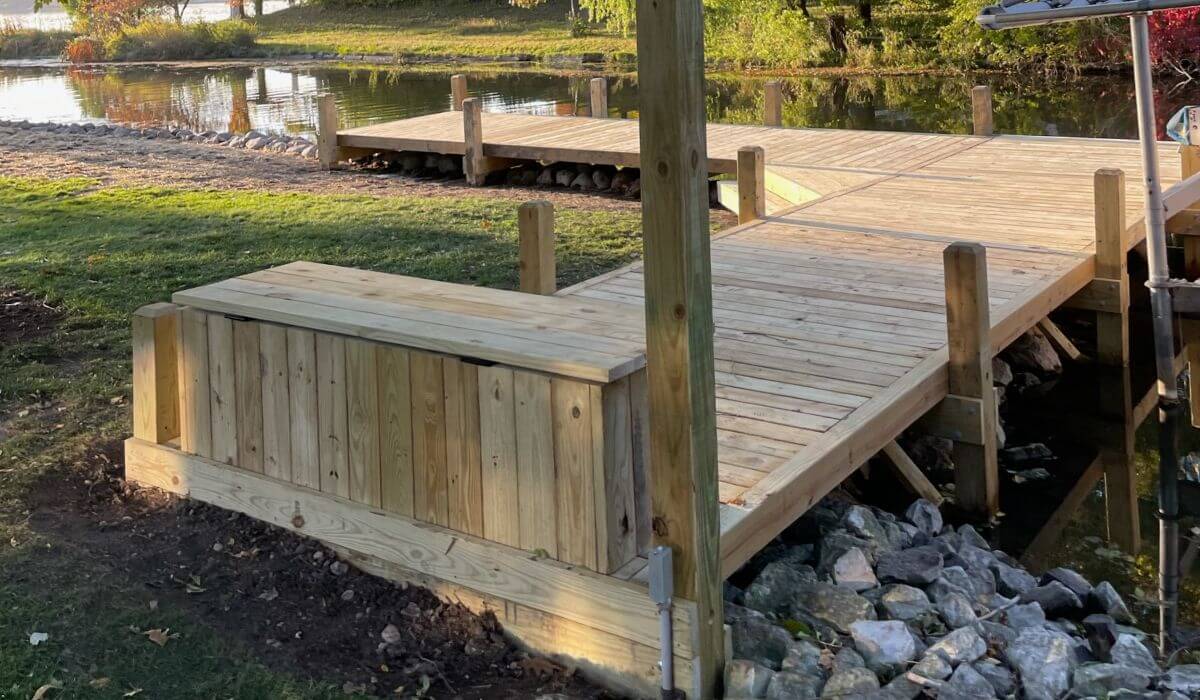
95, 253
455, 28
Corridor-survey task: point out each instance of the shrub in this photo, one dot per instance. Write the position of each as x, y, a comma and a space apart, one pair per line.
21, 42
84, 49
161, 39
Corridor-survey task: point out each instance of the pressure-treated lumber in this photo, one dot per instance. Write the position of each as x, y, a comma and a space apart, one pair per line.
155, 373
1189, 165
981, 110
910, 474
752, 185
535, 222
1112, 324
679, 320
195, 405
968, 326
458, 91
1060, 339
598, 91
773, 103
327, 127
474, 165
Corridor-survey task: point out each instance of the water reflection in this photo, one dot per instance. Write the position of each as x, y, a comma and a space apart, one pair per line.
282, 99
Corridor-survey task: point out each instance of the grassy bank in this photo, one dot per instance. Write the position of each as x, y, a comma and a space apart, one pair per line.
18, 42
94, 253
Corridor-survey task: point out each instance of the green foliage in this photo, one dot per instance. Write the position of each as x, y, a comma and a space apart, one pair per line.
619, 15
161, 39
763, 33
21, 42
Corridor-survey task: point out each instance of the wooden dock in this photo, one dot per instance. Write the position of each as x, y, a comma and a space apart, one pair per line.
830, 315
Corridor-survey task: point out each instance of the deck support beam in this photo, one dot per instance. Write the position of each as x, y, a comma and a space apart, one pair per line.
981, 110
1189, 164
155, 373
679, 319
328, 153
535, 221
458, 91
968, 326
1112, 323
773, 103
751, 181
598, 97
910, 474
476, 166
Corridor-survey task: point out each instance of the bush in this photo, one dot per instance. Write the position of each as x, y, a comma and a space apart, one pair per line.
20, 42
84, 49
764, 32
161, 39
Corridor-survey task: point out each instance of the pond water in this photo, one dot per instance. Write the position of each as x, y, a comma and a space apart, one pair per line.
281, 99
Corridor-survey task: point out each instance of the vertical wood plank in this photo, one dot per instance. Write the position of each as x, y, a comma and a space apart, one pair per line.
535, 222
463, 462
222, 389
395, 436
679, 325
458, 91
1112, 328
430, 497
332, 419
598, 98
612, 445
362, 412
155, 372
773, 103
248, 392
305, 424
327, 126
981, 110
276, 402
752, 186
502, 509
195, 412
535, 463
968, 327
640, 427
573, 457
473, 160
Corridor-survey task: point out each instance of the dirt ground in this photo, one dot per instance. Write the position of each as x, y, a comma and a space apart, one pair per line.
123, 160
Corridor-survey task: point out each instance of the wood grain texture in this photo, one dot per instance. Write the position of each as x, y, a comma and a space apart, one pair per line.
327, 126
752, 192
332, 415
574, 459
535, 221
1112, 326
464, 471
430, 479
276, 402
395, 430
305, 423
362, 401
247, 366
498, 421
981, 110
772, 103
537, 493
612, 447
598, 97
155, 372
195, 407
222, 391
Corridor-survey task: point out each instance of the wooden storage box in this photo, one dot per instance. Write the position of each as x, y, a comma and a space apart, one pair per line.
492, 413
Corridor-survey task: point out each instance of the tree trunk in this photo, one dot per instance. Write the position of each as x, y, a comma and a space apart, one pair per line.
258, 8
837, 32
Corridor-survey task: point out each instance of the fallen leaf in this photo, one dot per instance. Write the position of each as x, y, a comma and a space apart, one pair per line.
37, 638
153, 605
135, 691
99, 682
42, 692
160, 636
269, 595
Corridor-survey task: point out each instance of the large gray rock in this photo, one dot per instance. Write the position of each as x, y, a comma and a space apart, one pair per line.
803, 657
967, 683
1070, 578
995, 672
903, 602
925, 516
885, 646
1101, 634
837, 542
746, 679
963, 645
1002, 373
996, 635
1128, 651
1044, 660
837, 607
787, 685
1011, 581
1184, 678
974, 557
1105, 599
969, 535
918, 566
756, 638
931, 453
774, 589
978, 582
850, 683
933, 667
1056, 599
1098, 680
846, 658
1025, 615
1033, 351
956, 610
852, 570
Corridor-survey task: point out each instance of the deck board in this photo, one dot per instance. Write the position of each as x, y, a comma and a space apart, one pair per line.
830, 315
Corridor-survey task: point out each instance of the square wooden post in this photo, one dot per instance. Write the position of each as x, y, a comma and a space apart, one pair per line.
1189, 165
981, 110
536, 223
773, 103
679, 321
458, 91
598, 88
155, 373
473, 160
1112, 327
968, 329
751, 180
327, 126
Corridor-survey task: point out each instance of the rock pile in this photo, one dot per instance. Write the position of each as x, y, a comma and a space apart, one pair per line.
853, 602
252, 140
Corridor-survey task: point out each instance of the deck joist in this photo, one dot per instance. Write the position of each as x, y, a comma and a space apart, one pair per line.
830, 314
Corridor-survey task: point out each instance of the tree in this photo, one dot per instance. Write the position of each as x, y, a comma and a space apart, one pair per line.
1175, 38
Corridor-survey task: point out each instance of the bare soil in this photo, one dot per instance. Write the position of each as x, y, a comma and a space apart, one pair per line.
288, 599
23, 317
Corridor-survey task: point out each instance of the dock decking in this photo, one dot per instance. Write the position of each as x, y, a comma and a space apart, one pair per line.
830, 315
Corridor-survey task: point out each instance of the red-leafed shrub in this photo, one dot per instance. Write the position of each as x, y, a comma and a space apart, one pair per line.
1175, 38
83, 50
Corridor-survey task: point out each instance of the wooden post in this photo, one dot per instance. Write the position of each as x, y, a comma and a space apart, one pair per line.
981, 110
473, 162
751, 180
1112, 327
1189, 165
679, 322
327, 126
458, 91
155, 373
536, 222
968, 327
599, 97
773, 103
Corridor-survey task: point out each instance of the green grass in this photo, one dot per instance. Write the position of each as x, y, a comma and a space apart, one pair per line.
21, 42
98, 253
479, 29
